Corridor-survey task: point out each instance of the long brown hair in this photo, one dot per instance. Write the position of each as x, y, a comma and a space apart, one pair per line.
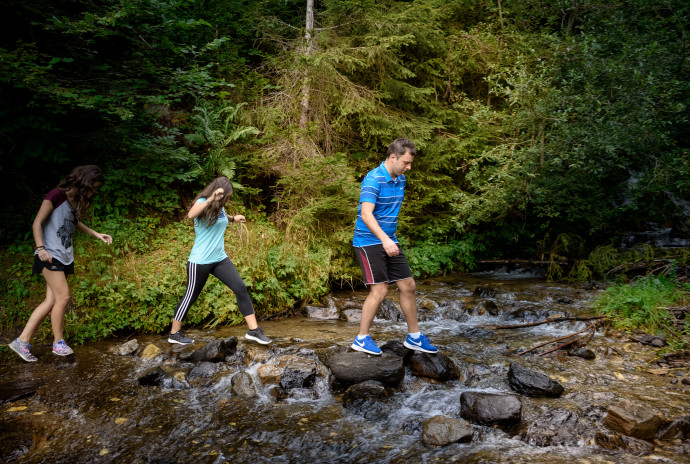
210, 214
80, 183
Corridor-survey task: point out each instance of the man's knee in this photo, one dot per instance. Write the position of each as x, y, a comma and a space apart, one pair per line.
407, 286
379, 291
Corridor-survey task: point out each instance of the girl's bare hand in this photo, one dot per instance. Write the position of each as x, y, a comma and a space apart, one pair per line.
105, 238
44, 256
217, 195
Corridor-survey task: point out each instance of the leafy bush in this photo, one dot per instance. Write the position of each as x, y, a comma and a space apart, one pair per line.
641, 305
432, 258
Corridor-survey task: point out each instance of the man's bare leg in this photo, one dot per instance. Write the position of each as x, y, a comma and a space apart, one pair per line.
377, 293
408, 303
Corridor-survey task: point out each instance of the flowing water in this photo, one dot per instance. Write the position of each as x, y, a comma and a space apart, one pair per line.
91, 407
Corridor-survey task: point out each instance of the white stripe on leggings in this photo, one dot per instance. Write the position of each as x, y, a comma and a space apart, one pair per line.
191, 276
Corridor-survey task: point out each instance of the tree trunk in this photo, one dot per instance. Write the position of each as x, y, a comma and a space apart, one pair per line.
304, 116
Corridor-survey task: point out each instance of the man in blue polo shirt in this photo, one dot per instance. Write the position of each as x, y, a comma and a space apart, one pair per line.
379, 254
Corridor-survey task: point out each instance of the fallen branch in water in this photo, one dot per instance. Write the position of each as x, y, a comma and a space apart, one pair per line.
588, 335
589, 332
546, 321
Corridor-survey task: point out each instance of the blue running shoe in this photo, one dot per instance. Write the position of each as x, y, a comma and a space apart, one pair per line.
420, 344
367, 346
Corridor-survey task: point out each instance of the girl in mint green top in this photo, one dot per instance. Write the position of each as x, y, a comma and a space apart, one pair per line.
208, 257
209, 244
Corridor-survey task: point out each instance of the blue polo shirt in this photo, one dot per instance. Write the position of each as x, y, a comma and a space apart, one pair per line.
387, 196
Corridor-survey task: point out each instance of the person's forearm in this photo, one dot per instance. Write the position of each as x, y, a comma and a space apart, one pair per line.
83, 228
38, 234
374, 227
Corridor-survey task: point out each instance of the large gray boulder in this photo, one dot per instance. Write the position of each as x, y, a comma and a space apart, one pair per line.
434, 366
490, 408
319, 312
532, 383
583, 353
367, 399
355, 367
126, 348
203, 370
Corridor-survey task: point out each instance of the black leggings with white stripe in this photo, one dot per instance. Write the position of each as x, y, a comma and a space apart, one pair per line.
225, 271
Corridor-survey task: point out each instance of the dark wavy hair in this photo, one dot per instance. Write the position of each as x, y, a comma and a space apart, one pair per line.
401, 146
80, 182
210, 214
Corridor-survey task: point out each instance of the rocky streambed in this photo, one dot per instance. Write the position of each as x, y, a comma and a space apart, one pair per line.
309, 398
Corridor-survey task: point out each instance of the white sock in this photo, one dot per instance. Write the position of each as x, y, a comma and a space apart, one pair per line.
415, 335
361, 337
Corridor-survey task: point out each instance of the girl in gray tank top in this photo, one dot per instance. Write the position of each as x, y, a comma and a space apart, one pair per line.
53, 227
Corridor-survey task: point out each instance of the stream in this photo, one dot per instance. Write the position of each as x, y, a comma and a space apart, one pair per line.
93, 407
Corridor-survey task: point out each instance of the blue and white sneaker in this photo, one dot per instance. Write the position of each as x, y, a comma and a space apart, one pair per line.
420, 344
367, 346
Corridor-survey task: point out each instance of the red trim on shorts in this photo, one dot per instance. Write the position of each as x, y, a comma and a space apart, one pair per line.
369, 276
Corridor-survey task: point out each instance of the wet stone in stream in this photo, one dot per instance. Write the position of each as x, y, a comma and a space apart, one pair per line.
531, 383
490, 408
442, 430
355, 367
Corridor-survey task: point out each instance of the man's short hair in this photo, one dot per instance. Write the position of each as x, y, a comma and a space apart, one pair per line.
401, 146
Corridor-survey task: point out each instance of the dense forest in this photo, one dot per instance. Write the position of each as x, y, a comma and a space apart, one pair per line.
545, 128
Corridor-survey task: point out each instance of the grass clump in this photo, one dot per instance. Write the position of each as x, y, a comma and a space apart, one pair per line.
644, 304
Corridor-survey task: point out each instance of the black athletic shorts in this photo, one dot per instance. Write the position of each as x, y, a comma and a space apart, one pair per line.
377, 267
54, 266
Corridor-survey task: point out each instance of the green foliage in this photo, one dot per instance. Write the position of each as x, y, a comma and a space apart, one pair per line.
584, 149
430, 259
16, 285
317, 198
562, 246
606, 260
153, 48
643, 304
217, 128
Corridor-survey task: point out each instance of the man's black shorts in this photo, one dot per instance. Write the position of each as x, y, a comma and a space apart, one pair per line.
377, 267
54, 266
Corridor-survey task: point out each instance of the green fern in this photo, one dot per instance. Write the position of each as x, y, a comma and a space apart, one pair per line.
216, 127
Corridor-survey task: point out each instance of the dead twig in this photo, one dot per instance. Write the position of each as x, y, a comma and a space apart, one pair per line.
590, 334
591, 327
